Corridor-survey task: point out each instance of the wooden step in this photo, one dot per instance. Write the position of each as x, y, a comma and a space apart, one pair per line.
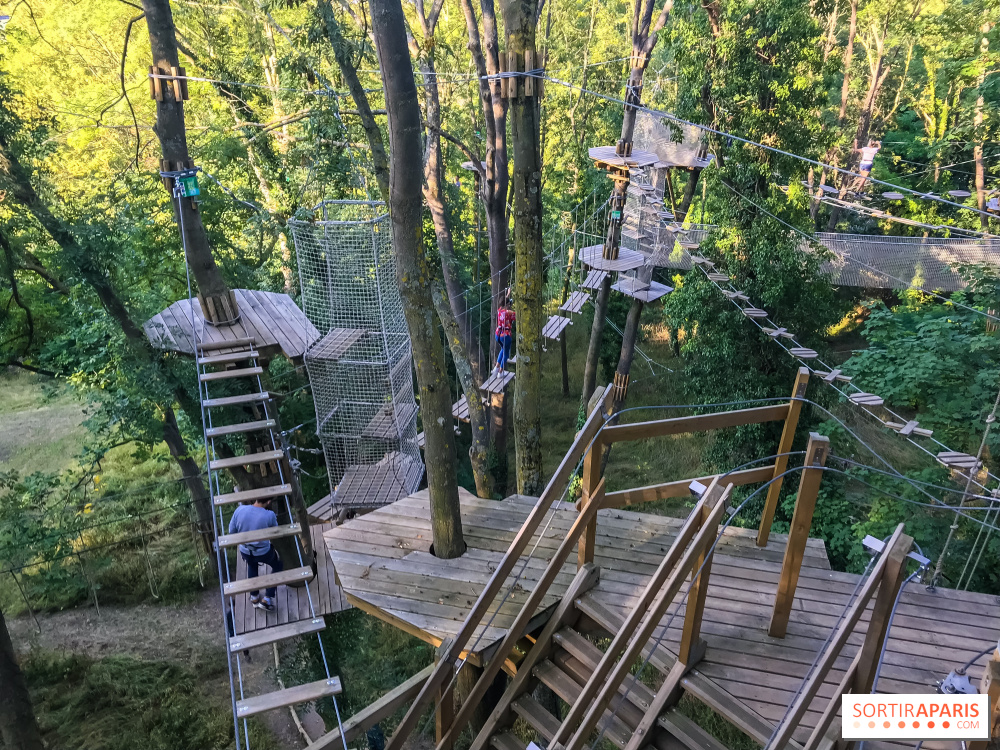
231, 344
681, 728
506, 741
274, 634
246, 398
288, 697
250, 458
244, 372
243, 585
535, 714
232, 429
582, 649
225, 359
279, 490
560, 683
260, 535
662, 659
627, 715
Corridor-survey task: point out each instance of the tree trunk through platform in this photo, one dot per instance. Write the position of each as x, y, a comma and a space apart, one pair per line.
169, 129
520, 19
18, 727
413, 274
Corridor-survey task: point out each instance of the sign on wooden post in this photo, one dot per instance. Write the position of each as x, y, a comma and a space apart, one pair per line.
798, 534
781, 462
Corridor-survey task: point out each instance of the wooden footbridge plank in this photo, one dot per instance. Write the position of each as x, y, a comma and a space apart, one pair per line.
292, 603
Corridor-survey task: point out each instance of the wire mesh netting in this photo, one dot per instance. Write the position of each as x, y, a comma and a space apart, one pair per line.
361, 366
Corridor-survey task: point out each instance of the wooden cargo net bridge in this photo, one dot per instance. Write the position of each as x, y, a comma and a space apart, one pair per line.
575, 597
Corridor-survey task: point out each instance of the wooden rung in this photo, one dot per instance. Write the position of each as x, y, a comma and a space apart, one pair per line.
231, 344
245, 372
735, 295
866, 399
279, 490
718, 277
505, 741
245, 585
260, 535
776, 332
275, 634
535, 714
233, 429
246, 398
224, 359
288, 697
955, 460
699, 261
833, 375
803, 353
754, 312
250, 458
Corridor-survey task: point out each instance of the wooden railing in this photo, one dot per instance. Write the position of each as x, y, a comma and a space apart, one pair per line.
589, 446
886, 579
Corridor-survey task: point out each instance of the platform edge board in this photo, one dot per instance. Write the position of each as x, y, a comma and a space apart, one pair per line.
306, 693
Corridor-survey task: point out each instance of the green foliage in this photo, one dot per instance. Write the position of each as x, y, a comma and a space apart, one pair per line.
119, 703
936, 360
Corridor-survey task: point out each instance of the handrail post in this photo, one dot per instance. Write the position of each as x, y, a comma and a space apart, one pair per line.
692, 647
990, 685
591, 481
445, 713
798, 535
781, 462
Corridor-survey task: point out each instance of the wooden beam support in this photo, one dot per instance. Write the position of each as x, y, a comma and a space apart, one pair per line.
805, 504
593, 492
781, 462
697, 423
692, 647
682, 487
990, 685
444, 716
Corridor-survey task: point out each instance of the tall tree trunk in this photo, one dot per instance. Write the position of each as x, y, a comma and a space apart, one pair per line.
845, 88
479, 451
831, 31
413, 274
380, 162
977, 151
18, 727
434, 195
520, 18
169, 129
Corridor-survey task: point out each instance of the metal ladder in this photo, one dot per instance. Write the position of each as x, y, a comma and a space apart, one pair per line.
239, 364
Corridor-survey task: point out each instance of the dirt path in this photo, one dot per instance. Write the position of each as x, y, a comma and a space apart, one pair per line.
189, 634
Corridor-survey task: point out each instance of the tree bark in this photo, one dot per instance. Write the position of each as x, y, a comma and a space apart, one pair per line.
18, 727
413, 274
169, 130
380, 162
977, 151
845, 88
519, 23
479, 451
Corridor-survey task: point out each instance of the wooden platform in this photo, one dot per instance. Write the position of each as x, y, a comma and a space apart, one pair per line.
605, 157
594, 280
370, 486
292, 604
273, 321
382, 562
631, 287
575, 302
389, 423
627, 259
497, 382
335, 344
554, 326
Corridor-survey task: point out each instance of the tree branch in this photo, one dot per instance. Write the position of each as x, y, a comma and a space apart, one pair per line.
477, 161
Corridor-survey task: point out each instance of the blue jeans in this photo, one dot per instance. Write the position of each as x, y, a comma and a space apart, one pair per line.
268, 558
504, 354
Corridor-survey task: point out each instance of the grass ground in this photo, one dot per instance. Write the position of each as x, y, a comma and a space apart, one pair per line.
40, 424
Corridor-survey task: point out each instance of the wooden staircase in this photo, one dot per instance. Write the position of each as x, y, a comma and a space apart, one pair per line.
563, 660
234, 366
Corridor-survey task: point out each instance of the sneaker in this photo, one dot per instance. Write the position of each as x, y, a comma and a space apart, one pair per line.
267, 604
255, 600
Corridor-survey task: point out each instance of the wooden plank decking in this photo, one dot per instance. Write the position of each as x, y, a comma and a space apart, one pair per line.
383, 560
292, 603
273, 321
383, 563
